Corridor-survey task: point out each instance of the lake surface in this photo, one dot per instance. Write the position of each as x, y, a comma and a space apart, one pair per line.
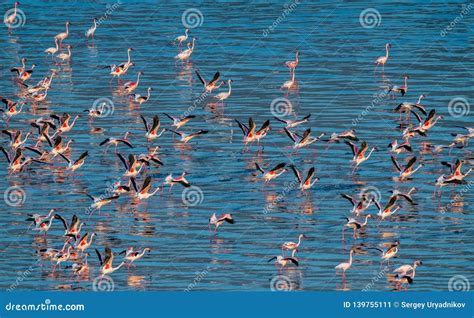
248, 43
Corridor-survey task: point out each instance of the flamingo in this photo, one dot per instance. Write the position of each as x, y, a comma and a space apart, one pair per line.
292, 246
382, 59
271, 174
106, 263
62, 36
212, 84
180, 39
144, 193
224, 95
290, 83
345, 265
308, 182
218, 221
152, 132
185, 138
131, 255
131, 86
85, 242
179, 122
73, 166
355, 225
409, 170
53, 50
293, 64
284, 261
302, 141
360, 155
184, 55
293, 123
137, 98
9, 20
116, 141
65, 56
91, 31
400, 89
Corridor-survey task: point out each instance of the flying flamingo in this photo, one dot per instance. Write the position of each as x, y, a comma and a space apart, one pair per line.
106, 263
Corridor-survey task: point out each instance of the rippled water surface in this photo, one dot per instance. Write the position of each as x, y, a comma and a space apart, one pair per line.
335, 83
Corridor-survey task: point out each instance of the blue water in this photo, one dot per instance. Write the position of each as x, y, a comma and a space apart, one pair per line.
336, 84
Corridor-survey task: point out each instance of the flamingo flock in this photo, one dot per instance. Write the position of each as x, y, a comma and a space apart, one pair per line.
45, 142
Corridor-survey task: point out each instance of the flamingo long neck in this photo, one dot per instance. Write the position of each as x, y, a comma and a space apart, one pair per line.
370, 153
192, 46
57, 45
299, 241
90, 240
386, 52
129, 57
406, 81
69, 51
23, 63
74, 121
350, 258
230, 88
366, 219
293, 76
435, 121
95, 24
417, 168
14, 10
148, 95
152, 193
67, 28
118, 267
161, 132
468, 172
297, 56
395, 210
138, 78
419, 99
143, 252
